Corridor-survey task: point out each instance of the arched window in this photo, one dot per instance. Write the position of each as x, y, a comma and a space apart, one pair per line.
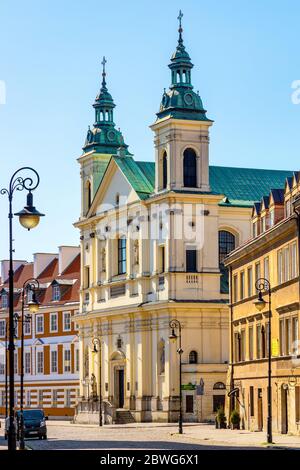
164, 171
219, 386
226, 244
193, 357
189, 168
178, 76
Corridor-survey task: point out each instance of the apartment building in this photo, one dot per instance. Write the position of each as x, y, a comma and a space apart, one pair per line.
51, 351
273, 254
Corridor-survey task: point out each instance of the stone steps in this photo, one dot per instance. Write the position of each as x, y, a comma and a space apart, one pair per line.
124, 417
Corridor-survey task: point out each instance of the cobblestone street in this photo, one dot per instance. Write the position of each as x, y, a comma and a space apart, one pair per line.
63, 435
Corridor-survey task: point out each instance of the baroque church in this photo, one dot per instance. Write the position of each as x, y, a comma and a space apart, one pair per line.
153, 239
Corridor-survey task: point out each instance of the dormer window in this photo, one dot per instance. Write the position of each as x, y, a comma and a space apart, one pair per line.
55, 292
4, 300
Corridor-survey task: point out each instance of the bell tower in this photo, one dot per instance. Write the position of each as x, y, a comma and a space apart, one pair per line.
181, 130
102, 141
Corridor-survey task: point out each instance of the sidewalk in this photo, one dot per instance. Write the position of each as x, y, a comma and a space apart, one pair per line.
242, 438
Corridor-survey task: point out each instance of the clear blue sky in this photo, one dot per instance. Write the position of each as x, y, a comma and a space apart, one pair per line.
246, 55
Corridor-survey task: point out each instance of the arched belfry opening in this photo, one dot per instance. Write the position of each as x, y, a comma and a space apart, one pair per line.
164, 170
189, 168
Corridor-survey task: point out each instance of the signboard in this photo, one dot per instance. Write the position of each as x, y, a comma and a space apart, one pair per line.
188, 386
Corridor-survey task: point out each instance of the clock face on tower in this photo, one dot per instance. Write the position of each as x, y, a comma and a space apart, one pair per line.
188, 99
111, 135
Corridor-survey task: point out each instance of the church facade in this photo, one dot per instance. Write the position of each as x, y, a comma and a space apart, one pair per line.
153, 239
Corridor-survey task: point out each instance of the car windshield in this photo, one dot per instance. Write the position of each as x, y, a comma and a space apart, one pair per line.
32, 414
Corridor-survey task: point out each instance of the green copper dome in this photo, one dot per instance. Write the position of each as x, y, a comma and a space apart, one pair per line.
104, 137
180, 101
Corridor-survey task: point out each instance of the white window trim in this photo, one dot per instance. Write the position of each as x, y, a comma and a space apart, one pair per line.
36, 324
54, 314
64, 315
37, 362
51, 362
64, 361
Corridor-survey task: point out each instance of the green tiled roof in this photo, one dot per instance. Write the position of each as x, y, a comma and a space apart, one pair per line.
101, 166
245, 184
241, 186
135, 176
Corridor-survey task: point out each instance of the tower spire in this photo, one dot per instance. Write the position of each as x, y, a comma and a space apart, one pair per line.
104, 137
180, 30
103, 72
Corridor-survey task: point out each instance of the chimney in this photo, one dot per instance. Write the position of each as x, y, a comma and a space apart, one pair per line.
66, 255
41, 261
5, 268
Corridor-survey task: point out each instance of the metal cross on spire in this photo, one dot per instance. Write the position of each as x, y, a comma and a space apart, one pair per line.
180, 25
103, 70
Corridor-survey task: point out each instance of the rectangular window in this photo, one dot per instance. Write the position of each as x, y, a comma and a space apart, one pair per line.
235, 287
121, 255
250, 282
237, 347
286, 261
2, 364
243, 345
257, 271
53, 323
77, 360
40, 398
251, 399
67, 321
27, 362
55, 292
266, 268
2, 328
54, 398
288, 336
162, 259
295, 336
4, 300
279, 267
267, 339
191, 261
294, 269
67, 360
40, 362
39, 324
242, 285
250, 331
272, 217
68, 398
28, 397
27, 326
282, 338
258, 341
189, 404
54, 361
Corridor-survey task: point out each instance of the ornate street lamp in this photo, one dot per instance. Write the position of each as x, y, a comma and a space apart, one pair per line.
173, 337
97, 348
29, 218
33, 305
263, 286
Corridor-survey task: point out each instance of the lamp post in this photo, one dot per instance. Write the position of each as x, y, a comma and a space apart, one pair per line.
263, 286
176, 325
29, 218
98, 348
6, 370
29, 286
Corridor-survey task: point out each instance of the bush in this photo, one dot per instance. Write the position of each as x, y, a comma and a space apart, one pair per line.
221, 418
235, 418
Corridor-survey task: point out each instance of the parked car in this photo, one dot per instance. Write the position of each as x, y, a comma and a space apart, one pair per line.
34, 423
